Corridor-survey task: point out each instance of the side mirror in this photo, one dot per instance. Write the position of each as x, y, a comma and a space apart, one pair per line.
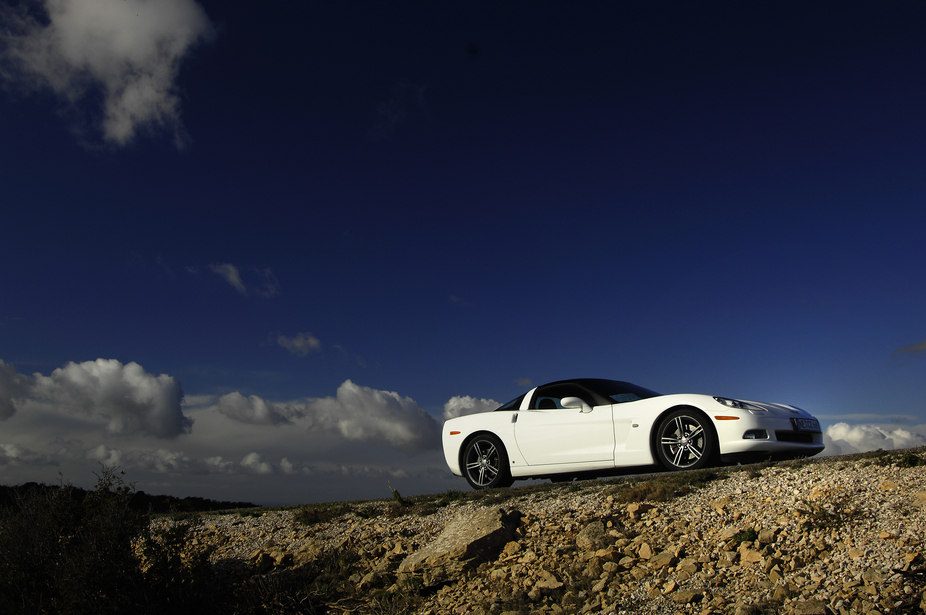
575, 402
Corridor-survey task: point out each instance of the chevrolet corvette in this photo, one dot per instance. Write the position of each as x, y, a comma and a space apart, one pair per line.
591, 427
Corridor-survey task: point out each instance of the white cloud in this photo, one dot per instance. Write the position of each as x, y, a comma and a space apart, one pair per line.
844, 439
164, 461
255, 410
127, 397
14, 455
254, 463
287, 466
105, 455
464, 404
160, 461
231, 275
362, 413
301, 344
217, 464
356, 413
198, 401
364, 434
127, 53
13, 387
266, 284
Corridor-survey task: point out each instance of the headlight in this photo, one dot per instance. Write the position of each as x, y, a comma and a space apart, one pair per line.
739, 405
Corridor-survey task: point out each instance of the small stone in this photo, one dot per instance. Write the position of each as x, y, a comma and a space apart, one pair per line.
809, 607
645, 552
547, 581
767, 537
729, 532
687, 596
638, 508
663, 560
592, 537
781, 593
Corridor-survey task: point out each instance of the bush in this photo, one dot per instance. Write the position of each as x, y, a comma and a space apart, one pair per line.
64, 550
63, 553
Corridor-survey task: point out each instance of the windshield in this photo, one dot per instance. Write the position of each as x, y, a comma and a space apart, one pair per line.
514, 404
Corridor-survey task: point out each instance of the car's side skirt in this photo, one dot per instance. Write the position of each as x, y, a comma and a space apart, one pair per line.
625, 459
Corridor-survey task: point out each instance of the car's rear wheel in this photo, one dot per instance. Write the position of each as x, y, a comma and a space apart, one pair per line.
485, 463
685, 440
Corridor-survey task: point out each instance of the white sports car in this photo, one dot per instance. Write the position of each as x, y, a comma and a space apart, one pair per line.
590, 427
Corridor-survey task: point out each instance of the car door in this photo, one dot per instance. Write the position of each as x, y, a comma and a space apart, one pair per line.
547, 434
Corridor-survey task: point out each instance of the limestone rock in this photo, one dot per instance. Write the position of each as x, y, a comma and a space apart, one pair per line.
809, 607
687, 596
662, 560
479, 535
592, 537
637, 509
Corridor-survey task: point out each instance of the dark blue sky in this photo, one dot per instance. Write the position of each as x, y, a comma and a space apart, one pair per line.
446, 200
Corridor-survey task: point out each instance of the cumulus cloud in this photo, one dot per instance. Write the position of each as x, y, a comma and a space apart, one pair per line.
126, 54
164, 461
254, 463
355, 413
261, 282
461, 405
220, 465
128, 398
844, 439
255, 410
13, 387
14, 455
363, 413
287, 466
301, 344
105, 455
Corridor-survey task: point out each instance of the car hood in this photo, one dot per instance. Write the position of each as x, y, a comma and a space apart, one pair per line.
708, 401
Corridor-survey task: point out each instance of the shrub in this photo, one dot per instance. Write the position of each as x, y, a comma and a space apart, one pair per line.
64, 551
663, 488
909, 459
320, 513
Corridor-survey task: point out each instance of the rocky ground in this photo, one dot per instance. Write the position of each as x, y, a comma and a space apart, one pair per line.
835, 535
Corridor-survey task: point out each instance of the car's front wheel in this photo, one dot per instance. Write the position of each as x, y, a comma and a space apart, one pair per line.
485, 463
685, 440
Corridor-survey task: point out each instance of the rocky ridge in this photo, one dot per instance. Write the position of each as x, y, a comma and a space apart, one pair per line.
811, 537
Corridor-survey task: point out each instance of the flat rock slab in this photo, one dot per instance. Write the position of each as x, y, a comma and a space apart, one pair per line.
466, 541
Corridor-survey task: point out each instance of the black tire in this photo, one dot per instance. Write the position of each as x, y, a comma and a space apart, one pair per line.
685, 440
485, 463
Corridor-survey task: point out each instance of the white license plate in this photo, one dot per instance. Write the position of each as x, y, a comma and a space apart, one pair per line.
806, 424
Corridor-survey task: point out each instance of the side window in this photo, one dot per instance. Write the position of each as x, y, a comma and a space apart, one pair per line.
550, 397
